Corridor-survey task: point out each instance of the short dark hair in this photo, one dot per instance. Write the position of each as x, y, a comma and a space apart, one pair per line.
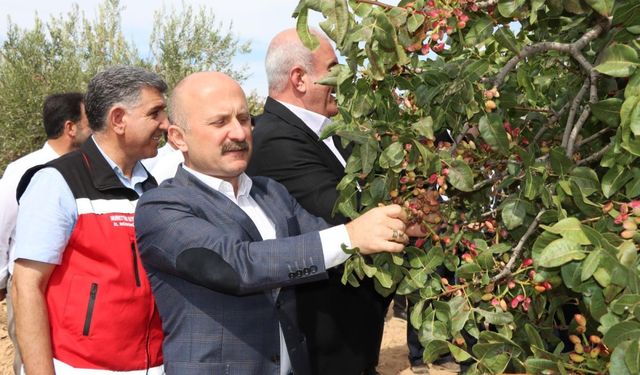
58, 109
117, 85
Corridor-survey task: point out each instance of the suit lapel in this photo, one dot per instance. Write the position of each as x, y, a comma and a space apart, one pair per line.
270, 208
221, 204
277, 109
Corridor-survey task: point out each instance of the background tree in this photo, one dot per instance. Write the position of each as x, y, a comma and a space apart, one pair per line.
64, 52
534, 206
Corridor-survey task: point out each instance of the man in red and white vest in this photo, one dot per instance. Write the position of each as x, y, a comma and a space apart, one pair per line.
82, 301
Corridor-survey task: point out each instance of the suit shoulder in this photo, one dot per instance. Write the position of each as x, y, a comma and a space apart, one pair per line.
268, 184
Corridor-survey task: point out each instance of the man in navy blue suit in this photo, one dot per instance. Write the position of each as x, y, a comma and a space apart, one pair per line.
222, 250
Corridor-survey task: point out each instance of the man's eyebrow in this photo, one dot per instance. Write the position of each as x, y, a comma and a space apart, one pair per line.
156, 108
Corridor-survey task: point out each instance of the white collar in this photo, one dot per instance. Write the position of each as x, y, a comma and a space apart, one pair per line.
224, 187
315, 121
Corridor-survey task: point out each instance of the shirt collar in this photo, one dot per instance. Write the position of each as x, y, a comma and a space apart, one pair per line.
49, 150
138, 176
222, 186
315, 121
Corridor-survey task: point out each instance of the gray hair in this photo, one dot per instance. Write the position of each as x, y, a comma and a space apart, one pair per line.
117, 85
281, 57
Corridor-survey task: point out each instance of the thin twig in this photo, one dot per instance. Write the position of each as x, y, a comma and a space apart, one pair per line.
572, 112
373, 2
459, 138
528, 109
592, 137
593, 98
597, 156
552, 120
517, 251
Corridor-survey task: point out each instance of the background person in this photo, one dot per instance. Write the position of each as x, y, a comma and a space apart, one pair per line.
66, 126
343, 324
81, 297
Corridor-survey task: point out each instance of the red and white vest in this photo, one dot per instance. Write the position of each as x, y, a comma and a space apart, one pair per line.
101, 310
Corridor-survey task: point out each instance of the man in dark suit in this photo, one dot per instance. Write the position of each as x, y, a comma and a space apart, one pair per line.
288, 149
221, 249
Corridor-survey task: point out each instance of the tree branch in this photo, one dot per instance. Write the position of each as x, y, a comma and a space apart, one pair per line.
459, 138
485, 4
597, 156
572, 49
517, 251
373, 2
572, 112
592, 137
593, 98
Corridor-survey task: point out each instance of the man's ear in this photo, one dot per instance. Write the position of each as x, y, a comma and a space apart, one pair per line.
176, 136
116, 120
298, 78
70, 128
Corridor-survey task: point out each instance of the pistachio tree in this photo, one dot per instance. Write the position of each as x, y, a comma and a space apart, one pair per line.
531, 202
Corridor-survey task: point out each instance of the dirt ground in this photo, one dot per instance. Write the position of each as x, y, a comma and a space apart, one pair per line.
393, 355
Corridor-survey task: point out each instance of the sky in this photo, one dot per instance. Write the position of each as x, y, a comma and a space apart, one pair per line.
256, 21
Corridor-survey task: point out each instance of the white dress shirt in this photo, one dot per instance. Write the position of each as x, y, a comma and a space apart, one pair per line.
9, 205
331, 238
316, 122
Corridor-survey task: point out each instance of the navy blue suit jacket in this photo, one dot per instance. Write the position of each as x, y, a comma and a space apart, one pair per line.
213, 276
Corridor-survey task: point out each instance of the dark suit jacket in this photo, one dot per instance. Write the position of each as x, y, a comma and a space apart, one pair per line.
213, 276
343, 324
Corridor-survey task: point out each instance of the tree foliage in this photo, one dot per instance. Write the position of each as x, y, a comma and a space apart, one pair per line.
65, 51
533, 205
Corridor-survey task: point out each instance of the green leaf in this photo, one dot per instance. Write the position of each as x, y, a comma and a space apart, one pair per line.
424, 127
434, 349
632, 357
628, 330
479, 30
384, 278
590, 265
458, 353
627, 302
604, 7
539, 365
570, 229
633, 187
308, 39
560, 252
626, 111
414, 22
617, 365
626, 12
585, 205
608, 111
586, 179
497, 318
392, 155
634, 120
493, 133
460, 176
415, 318
513, 213
615, 178
532, 185
633, 86
534, 336
508, 7
619, 60
506, 39
627, 253
560, 163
